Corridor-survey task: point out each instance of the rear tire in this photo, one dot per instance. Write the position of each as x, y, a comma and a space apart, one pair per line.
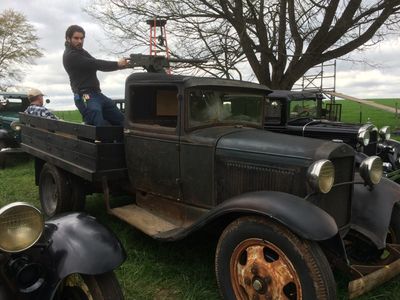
257, 258
54, 191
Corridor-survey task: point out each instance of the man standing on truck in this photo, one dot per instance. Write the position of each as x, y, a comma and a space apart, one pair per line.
36, 108
95, 108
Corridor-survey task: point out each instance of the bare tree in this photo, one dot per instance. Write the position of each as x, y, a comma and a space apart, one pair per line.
18, 46
279, 40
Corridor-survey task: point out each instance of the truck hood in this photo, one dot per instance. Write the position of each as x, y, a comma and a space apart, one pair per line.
256, 142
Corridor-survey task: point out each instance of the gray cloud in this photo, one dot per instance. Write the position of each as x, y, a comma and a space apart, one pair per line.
51, 18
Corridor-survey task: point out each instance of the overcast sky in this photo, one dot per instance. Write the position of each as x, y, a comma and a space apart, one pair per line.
52, 17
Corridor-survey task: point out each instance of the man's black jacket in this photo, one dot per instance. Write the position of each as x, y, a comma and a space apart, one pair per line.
82, 67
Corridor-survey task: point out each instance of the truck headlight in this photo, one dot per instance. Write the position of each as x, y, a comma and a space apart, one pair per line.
15, 125
384, 133
21, 225
321, 175
363, 137
371, 170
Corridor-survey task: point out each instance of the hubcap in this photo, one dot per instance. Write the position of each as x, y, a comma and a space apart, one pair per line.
261, 268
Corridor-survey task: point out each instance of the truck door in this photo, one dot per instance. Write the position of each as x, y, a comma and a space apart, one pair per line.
152, 140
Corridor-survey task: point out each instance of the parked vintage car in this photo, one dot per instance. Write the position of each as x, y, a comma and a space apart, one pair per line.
68, 257
11, 104
307, 114
193, 154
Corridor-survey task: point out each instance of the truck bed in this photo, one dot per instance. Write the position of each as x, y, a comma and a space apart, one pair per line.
87, 151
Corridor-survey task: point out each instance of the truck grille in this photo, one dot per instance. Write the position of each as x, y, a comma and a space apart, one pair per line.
371, 149
236, 177
338, 201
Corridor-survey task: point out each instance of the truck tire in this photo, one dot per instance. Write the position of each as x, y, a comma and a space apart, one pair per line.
54, 191
258, 258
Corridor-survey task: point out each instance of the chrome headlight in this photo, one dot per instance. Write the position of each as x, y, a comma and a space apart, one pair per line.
321, 175
371, 170
15, 125
363, 136
384, 133
21, 225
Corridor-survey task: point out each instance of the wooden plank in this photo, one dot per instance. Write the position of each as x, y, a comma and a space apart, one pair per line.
100, 133
95, 156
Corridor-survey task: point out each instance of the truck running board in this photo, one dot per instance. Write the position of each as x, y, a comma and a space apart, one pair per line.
142, 219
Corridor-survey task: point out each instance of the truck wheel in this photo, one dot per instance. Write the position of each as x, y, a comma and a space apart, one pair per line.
54, 191
96, 287
259, 259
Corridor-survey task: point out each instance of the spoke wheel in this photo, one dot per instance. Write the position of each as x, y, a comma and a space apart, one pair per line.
261, 268
257, 258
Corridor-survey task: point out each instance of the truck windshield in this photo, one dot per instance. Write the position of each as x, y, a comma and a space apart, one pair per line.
207, 107
303, 108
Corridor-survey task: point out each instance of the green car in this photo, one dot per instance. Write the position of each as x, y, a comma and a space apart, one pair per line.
11, 104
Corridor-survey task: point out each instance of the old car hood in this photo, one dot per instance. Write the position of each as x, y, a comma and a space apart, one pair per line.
335, 126
279, 145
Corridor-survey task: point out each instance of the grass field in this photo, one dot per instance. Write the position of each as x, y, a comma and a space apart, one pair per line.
154, 270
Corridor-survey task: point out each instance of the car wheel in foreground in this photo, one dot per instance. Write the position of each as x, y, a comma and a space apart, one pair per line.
88, 287
257, 258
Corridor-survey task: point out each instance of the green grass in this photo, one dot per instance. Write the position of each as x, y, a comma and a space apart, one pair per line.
154, 270
181, 270
351, 112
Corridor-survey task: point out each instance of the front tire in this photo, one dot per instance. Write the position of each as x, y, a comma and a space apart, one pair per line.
54, 191
86, 287
258, 258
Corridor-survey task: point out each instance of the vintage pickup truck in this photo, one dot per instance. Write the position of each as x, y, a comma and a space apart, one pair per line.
194, 155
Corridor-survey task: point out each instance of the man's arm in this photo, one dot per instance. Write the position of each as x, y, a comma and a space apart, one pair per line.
77, 60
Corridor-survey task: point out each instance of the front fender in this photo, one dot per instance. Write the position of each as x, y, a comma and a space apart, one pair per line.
79, 244
372, 209
305, 219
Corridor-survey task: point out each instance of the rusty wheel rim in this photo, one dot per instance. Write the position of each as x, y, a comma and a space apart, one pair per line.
260, 270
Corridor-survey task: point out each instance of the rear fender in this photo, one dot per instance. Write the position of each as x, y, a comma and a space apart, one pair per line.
372, 209
79, 244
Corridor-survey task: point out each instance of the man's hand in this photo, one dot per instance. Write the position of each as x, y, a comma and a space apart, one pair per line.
123, 63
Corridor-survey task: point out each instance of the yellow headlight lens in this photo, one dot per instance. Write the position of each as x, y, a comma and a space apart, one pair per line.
371, 170
321, 175
21, 225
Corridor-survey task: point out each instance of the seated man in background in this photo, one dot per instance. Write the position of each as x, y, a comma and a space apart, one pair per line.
36, 107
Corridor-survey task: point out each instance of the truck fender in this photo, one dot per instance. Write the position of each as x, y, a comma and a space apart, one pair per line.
303, 218
372, 209
79, 244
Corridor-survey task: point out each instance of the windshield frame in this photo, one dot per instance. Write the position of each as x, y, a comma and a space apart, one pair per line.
190, 124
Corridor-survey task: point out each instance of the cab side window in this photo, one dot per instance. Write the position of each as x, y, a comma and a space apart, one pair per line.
156, 106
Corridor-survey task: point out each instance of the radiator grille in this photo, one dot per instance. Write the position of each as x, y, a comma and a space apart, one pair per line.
338, 201
235, 178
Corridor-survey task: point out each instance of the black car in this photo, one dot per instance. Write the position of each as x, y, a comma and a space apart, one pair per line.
10, 106
308, 114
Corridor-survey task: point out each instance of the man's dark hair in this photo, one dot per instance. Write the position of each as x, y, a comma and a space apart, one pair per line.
72, 29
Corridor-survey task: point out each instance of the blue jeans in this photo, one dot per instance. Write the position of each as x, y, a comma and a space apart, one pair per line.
98, 110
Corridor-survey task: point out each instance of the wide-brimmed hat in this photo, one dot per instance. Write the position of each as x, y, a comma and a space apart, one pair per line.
32, 93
